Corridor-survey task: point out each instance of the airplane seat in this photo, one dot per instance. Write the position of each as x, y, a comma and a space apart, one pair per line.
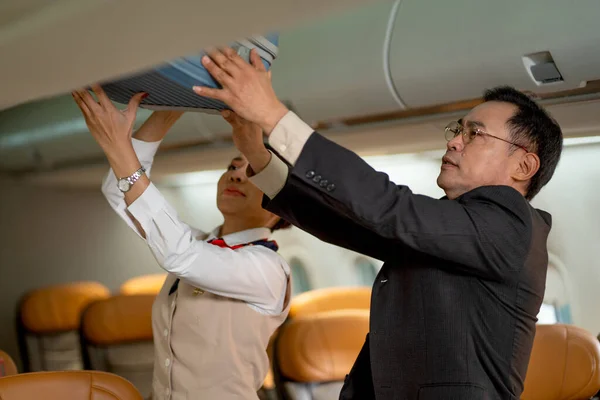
144, 284
564, 364
116, 337
48, 321
313, 353
73, 385
7, 365
329, 299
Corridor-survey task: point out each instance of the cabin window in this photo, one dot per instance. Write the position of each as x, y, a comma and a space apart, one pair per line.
556, 307
300, 280
548, 314
366, 271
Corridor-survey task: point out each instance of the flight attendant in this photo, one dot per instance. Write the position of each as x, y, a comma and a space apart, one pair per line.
226, 292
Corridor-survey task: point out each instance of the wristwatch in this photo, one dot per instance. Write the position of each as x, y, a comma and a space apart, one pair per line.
124, 184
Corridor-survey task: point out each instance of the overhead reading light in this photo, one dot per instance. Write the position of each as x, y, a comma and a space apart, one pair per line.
542, 69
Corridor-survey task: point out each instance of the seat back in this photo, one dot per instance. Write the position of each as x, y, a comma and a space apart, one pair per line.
564, 364
315, 352
72, 385
48, 321
145, 284
7, 365
116, 336
329, 299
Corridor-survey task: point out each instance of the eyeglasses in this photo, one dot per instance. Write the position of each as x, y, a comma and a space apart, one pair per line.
455, 128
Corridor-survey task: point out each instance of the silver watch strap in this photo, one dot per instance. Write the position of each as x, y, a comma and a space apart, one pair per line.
135, 176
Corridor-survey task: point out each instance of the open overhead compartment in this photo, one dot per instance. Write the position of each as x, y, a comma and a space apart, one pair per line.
412, 61
331, 67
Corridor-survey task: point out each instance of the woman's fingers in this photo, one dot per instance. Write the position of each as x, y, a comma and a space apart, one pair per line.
89, 101
134, 103
81, 104
102, 97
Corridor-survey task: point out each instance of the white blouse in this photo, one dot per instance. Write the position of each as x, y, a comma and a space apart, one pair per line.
253, 274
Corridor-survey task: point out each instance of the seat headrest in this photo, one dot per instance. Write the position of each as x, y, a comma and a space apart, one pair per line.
119, 319
329, 299
58, 308
564, 364
145, 284
7, 365
73, 385
321, 347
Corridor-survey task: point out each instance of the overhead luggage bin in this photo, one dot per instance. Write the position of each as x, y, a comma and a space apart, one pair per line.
443, 52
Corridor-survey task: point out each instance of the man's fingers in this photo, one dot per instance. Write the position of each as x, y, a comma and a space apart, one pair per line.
223, 62
220, 76
217, 94
101, 95
256, 60
235, 58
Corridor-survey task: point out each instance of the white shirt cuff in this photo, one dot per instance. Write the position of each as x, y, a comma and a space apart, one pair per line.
289, 137
272, 178
145, 150
147, 205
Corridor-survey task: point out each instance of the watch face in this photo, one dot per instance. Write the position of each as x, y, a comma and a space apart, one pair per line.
123, 185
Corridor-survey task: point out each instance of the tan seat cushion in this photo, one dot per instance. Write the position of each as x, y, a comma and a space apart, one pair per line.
564, 364
72, 385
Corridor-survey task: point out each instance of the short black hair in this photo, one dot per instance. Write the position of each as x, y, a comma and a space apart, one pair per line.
534, 128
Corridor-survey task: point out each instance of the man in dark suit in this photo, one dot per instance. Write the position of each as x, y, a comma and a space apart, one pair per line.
454, 307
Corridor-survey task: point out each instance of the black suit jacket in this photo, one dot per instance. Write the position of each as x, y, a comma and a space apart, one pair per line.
453, 309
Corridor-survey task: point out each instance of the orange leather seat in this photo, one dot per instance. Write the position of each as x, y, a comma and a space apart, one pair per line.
117, 338
48, 325
72, 385
145, 284
329, 299
314, 353
318, 301
564, 364
7, 365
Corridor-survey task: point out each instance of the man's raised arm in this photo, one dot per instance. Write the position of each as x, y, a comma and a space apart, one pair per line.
479, 233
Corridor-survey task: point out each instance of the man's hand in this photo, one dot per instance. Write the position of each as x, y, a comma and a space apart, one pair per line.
247, 137
246, 89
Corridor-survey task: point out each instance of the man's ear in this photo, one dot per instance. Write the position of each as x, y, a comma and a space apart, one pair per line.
528, 166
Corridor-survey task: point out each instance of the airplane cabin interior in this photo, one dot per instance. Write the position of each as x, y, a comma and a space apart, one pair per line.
381, 78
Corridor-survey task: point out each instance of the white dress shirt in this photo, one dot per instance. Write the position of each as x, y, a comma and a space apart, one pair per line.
288, 137
255, 275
